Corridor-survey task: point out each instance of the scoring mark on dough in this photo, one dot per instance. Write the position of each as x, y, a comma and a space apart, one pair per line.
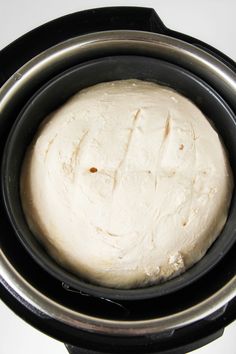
130, 136
49, 146
69, 168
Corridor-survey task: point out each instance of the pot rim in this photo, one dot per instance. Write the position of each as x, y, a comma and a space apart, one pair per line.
188, 56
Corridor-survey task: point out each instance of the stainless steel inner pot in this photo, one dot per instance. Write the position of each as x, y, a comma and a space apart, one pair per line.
49, 63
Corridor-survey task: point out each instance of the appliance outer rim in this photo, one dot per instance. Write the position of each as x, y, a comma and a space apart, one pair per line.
49, 308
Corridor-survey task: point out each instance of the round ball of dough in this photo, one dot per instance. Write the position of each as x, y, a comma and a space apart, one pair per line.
127, 184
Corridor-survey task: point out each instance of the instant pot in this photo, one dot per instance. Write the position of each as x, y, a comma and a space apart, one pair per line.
177, 321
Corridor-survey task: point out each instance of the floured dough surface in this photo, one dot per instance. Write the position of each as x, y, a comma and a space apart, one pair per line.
127, 184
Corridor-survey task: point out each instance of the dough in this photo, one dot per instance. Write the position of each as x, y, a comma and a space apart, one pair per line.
127, 184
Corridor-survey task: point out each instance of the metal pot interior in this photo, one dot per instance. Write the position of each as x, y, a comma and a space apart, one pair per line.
54, 94
27, 277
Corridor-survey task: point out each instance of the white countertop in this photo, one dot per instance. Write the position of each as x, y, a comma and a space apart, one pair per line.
212, 21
